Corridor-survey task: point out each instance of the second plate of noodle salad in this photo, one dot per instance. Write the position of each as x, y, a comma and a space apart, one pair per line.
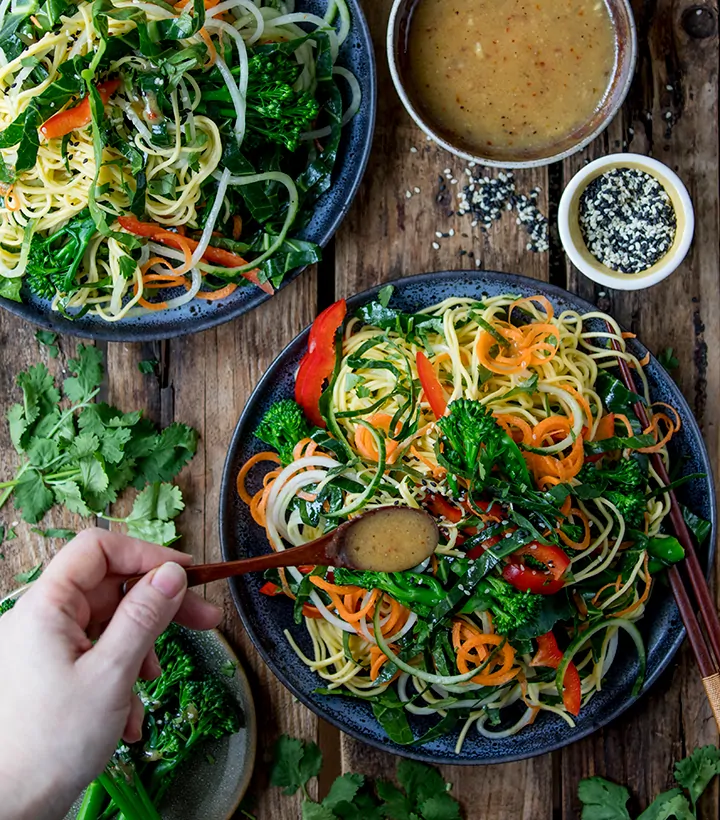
158, 156
502, 414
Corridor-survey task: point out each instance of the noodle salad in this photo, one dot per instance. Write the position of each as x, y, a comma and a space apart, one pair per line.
155, 153
506, 423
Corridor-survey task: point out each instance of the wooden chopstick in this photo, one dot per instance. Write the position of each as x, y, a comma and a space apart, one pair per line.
708, 665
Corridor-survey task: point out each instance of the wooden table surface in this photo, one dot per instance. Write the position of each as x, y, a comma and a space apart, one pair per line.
204, 380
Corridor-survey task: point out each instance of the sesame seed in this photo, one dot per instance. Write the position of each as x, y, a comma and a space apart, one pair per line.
416, 190
436, 246
627, 220
413, 150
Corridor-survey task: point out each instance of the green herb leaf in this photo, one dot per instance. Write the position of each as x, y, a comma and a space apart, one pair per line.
29, 576
343, 790
53, 532
316, 811
391, 715
88, 370
669, 804
603, 800
440, 807
47, 338
420, 782
695, 772
148, 366
295, 763
668, 359
32, 497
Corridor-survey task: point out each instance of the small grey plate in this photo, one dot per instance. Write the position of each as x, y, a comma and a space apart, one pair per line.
205, 790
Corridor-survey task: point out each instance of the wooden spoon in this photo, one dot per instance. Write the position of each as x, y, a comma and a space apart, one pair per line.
386, 539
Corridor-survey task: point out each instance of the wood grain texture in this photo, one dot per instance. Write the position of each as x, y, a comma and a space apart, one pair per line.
209, 378
671, 113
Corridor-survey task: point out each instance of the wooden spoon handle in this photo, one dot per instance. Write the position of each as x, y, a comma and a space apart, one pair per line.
312, 553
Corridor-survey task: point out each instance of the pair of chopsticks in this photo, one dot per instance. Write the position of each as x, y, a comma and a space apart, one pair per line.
707, 657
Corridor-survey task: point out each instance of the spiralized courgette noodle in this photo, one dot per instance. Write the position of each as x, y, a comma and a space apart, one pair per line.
608, 580
186, 128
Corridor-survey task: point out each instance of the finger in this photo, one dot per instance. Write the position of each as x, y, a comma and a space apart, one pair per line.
142, 616
133, 728
96, 553
197, 613
150, 668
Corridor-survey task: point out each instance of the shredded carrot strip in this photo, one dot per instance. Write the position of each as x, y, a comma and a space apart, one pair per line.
626, 421
540, 299
237, 224
645, 360
207, 39
12, 203
363, 611
364, 441
678, 420
614, 585
626, 335
155, 260
336, 589
585, 543
507, 421
267, 455
214, 295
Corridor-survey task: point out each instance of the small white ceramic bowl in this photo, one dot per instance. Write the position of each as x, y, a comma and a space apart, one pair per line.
571, 235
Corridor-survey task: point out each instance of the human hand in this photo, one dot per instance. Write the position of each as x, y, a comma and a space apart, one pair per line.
64, 702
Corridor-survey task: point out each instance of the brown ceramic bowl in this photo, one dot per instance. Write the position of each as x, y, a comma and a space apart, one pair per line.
626, 38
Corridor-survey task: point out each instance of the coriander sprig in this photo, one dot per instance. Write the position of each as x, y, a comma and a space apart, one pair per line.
423, 794
81, 454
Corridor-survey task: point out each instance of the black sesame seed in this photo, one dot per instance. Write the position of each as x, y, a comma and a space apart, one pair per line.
627, 220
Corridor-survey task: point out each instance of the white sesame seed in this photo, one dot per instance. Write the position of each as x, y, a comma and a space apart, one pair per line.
436, 246
413, 149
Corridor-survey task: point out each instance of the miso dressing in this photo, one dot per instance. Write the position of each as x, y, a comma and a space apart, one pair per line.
503, 77
389, 539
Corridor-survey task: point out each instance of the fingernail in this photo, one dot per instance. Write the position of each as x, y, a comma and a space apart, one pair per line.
170, 579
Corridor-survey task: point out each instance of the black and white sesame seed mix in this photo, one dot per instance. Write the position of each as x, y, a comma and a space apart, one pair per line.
485, 199
627, 220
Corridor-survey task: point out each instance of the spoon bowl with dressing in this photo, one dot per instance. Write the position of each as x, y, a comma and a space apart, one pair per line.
510, 83
385, 539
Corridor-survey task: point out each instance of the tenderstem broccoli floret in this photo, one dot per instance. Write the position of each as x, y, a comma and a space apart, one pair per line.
282, 427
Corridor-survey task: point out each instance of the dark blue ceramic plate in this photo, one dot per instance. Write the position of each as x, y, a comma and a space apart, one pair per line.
266, 618
358, 56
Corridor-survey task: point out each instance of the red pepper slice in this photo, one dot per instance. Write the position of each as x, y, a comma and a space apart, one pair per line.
549, 655
431, 386
80, 115
540, 582
440, 507
318, 363
216, 256
269, 588
479, 549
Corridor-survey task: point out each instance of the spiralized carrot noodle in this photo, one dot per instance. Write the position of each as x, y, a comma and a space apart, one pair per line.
364, 440
12, 202
623, 613
540, 299
207, 39
576, 512
266, 455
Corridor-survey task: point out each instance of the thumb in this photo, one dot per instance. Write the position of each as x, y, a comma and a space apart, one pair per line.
142, 616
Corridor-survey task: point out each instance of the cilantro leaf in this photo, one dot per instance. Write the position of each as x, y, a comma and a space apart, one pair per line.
668, 359
41, 452
154, 532
86, 444
343, 789
148, 366
398, 805
316, 811
68, 493
161, 501
18, 425
40, 396
32, 497
88, 370
54, 532
174, 447
695, 772
363, 807
440, 807
421, 782
29, 576
113, 443
295, 763
47, 339
669, 804
603, 800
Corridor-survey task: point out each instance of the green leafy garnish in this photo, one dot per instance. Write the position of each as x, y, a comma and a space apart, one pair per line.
47, 339
81, 455
29, 576
423, 794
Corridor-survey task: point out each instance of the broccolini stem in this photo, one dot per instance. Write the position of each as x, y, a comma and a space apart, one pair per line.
93, 802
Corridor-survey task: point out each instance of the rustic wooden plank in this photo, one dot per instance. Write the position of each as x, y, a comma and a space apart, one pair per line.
209, 379
19, 350
389, 234
672, 113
